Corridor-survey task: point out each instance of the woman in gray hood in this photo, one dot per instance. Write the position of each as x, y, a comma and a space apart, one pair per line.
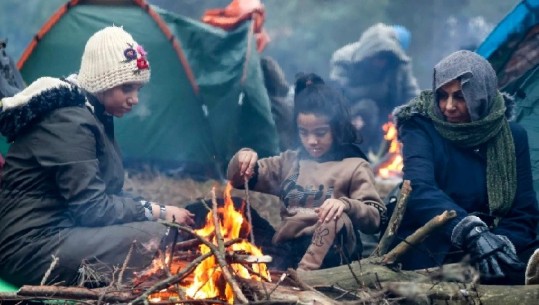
462, 153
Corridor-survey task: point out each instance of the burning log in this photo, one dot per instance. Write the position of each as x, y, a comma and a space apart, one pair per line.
221, 262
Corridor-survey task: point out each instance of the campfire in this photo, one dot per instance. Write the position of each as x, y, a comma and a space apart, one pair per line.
208, 280
390, 166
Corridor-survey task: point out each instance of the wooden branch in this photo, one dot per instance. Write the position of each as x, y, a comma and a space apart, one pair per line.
74, 293
288, 295
219, 253
371, 274
394, 222
187, 244
457, 293
418, 236
126, 261
248, 259
455, 272
249, 218
51, 267
7, 296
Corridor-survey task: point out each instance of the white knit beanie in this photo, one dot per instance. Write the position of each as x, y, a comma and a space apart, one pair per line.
111, 58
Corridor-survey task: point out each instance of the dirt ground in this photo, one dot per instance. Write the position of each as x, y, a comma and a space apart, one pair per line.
158, 187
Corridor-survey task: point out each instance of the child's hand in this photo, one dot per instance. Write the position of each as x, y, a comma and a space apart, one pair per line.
247, 160
331, 209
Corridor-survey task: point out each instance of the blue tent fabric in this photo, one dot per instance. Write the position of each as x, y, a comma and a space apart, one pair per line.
517, 22
515, 35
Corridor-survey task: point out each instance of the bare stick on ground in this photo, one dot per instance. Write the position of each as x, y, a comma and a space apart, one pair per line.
73, 293
457, 293
394, 222
418, 236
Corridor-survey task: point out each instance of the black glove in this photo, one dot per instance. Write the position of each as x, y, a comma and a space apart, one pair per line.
490, 253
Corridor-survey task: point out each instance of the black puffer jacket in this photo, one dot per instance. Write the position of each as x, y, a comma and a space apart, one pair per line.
61, 191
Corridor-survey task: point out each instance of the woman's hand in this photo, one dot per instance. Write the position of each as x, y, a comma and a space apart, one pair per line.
178, 215
331, 209
247, 160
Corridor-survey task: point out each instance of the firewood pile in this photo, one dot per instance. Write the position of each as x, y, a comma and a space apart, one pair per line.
214, 267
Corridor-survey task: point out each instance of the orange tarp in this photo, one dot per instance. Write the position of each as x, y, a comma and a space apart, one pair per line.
237, 12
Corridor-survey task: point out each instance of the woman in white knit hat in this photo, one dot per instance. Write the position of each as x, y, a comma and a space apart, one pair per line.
61, 193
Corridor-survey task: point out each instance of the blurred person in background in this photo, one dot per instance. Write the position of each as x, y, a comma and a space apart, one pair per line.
375, 74
282, 107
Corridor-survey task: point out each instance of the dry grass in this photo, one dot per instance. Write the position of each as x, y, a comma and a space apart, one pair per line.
158, 187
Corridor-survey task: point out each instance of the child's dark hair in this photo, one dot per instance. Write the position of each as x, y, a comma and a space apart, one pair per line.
312, 95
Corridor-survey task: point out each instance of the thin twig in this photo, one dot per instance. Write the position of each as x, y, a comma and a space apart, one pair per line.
51, 267
124, 266
249, 218
173, 245
281, 279
347, 261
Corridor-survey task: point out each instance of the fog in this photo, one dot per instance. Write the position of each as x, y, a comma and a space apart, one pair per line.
304, 33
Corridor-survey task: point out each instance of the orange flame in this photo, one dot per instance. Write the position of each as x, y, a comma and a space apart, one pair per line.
208, 280
393, 163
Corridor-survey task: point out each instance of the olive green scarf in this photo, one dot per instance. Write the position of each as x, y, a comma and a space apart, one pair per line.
493, 130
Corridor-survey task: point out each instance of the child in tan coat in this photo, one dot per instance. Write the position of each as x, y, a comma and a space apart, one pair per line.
326, 186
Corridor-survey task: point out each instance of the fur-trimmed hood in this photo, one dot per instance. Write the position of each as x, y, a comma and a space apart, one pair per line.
43, 96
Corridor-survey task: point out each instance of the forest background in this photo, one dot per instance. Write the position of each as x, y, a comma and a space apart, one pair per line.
304, 33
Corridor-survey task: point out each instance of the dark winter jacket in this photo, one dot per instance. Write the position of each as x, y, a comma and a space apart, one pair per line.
61, 192
446, 177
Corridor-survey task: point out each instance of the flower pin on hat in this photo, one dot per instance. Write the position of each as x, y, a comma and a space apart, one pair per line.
139, 55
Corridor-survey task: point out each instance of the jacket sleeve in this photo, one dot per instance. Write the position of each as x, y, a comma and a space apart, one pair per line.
364, 201
67, 148
426, 199
520, 223
268, 172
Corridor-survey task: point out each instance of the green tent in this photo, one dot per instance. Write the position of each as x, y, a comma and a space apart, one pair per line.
206, 98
